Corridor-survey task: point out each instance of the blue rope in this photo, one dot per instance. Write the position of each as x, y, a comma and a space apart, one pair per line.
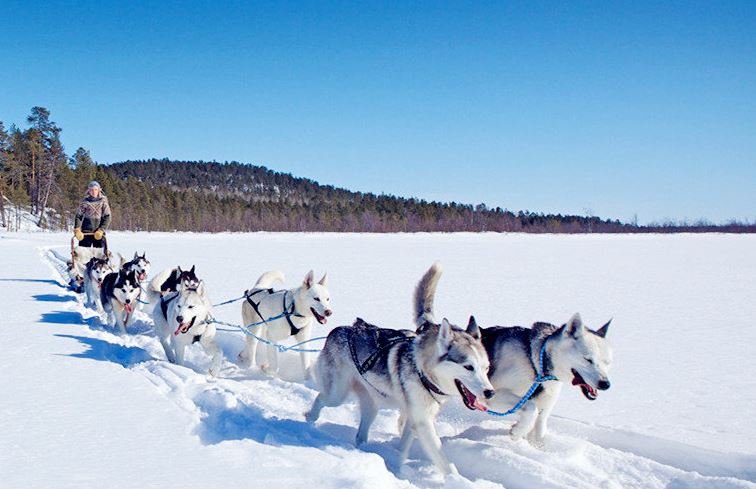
230, 301
280, 348
540, 379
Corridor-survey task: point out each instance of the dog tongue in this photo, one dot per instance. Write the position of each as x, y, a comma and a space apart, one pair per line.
478, 405
182, 328
128, 308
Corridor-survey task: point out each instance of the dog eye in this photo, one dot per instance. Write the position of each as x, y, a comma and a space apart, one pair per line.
191, 307
317, 299
589, 360
469, 367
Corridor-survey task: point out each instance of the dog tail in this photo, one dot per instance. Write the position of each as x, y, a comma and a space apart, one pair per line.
267, 279
159, 279
424, 295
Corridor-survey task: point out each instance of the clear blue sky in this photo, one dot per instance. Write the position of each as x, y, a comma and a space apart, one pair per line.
620, 109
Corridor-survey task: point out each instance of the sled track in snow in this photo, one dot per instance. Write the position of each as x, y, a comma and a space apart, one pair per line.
246, 405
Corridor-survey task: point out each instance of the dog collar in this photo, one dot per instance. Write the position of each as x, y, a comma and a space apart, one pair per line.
429, 386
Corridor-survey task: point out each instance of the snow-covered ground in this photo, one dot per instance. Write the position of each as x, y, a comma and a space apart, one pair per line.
83, 407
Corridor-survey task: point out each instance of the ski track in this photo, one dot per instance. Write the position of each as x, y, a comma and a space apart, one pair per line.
244, 404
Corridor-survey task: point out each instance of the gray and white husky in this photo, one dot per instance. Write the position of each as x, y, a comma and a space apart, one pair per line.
414, 372
118, 295
294, 312
572, 353
95, 272
182, 318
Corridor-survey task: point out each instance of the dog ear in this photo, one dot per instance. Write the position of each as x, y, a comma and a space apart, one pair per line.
324, 281
192, 270
472, 328
122, 259
444, 336
201, 287
308, 280
136, 255
178, 271
604, 329
574, 326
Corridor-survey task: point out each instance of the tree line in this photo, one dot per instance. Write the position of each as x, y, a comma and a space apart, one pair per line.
165, 195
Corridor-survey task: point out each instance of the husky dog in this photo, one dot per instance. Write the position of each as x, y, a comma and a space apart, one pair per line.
96, 270
118, 294
77, 265
181, 319
140, 265
572, 353
415, 373
290, 313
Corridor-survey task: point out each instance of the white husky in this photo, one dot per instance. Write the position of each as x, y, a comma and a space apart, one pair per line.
181, 319
571, 353
415, 373
286, 313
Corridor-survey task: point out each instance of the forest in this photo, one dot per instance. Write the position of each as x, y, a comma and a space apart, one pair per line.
38, 176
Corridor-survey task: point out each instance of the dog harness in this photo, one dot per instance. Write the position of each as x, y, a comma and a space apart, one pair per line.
384, 345
287, 312
537, 385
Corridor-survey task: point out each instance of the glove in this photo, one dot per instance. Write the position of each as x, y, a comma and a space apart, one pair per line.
78, 234
98, 234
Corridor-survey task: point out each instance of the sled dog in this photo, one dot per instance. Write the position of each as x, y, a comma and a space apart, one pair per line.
414, 372
286, 312
573, 353
96, 270
181, 319
118, 295
140, 265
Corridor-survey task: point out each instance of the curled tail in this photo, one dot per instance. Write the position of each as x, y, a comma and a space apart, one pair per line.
267, 279
424, 294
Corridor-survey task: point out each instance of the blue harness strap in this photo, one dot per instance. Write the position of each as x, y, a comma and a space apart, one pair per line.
539, 379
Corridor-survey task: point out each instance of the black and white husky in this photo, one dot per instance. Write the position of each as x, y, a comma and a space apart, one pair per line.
95, 272
414, 372
573, 353
283, 313
183, 318
118, 295
139, 264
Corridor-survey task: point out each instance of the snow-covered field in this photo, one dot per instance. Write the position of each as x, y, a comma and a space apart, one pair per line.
83, 407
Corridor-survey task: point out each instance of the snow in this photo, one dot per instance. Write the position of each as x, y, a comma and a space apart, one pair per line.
81, 406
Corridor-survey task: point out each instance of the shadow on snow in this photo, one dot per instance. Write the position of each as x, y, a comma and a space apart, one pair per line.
104, 351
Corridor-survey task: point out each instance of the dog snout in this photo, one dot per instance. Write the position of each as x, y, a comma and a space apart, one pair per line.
179, 319
603, 385
489, 393
328, 312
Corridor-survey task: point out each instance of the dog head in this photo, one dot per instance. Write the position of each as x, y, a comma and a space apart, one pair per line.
126, 289
187, 279
456, 361
140, 265
314, 299
188, 308
584, 356
97, 268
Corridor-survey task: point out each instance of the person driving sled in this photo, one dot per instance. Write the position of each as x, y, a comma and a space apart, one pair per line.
92, 217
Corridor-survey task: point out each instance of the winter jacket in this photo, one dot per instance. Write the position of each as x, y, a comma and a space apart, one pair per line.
93, 213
